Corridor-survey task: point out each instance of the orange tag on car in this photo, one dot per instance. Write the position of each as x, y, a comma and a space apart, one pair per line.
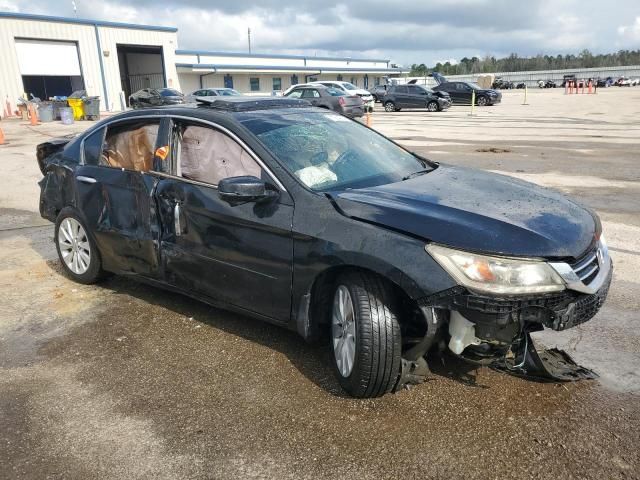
162, 152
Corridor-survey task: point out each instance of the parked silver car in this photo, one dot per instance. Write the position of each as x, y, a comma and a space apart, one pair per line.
211, 92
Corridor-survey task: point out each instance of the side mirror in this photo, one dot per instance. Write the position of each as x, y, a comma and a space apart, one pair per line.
246, 189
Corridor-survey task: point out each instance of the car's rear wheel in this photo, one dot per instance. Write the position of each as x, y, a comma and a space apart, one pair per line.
432, 106
365, 335
482, 101
76, 249
389, 107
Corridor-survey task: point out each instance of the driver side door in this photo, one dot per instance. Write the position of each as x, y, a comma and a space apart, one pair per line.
239, 254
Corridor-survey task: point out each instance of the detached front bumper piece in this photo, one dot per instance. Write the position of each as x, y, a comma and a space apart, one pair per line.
551, 365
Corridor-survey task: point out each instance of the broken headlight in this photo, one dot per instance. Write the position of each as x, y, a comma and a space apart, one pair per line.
497, 275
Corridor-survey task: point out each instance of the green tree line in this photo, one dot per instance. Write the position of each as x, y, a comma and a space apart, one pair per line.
515, 63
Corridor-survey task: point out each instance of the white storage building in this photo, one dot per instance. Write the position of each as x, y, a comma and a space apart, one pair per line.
47, 56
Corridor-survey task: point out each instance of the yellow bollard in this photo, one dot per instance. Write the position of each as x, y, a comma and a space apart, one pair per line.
525, 96
473, 101
368, 118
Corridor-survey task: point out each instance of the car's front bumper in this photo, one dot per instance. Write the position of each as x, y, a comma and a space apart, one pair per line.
500, 319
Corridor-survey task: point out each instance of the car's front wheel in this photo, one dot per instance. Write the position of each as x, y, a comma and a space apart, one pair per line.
432, 106
389, 107
482, 101
365, 335
76, 249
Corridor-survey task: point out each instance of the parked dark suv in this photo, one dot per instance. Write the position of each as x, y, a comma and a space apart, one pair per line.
462, 93
414, 96
307, 219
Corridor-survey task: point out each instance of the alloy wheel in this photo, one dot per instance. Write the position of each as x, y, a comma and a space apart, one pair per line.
343, 331
74, 246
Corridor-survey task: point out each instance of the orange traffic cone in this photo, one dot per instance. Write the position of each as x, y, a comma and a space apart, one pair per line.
1, 137
368, 118
34, 114
7, 110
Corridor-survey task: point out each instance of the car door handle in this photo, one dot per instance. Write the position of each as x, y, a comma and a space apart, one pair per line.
83, 179
176, 220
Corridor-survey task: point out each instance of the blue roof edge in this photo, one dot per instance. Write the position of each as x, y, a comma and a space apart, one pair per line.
275, 55
292, 68
84, 21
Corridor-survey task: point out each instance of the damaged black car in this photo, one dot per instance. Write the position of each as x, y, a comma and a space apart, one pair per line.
306, 219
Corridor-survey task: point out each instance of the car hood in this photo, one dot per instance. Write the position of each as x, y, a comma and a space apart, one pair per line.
477, 211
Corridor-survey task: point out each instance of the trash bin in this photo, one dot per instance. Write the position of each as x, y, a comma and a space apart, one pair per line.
45, 112
57, 105
91, 108
66, 115
78, 108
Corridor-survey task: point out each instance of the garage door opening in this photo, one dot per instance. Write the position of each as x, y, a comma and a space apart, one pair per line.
140, 67
49, 67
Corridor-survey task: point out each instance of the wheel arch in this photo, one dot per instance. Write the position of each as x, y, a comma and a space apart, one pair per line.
314, 306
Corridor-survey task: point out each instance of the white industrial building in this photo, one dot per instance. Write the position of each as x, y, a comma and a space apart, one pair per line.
47, 56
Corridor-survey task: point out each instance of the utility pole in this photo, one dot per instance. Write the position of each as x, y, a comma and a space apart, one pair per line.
249, 38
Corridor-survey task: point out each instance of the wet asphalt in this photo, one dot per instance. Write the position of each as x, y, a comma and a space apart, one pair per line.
122, 380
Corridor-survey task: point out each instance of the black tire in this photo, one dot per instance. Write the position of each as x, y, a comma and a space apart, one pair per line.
376, 363
389, 107
482, 101
94, 272
433, 106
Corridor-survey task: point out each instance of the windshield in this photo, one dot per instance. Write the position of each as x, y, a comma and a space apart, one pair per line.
168, 92
327, 151
349, 86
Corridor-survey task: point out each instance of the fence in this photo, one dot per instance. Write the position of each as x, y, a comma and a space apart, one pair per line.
146, 80
530, 78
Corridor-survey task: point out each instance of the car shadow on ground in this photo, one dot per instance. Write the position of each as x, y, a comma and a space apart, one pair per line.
312, 360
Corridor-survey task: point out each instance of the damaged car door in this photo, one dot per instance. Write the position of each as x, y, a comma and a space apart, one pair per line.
114, 193
228, 246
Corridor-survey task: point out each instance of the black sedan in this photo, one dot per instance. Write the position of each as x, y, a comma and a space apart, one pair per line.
415, 96
329, 98
306, 219
155, 97
463, 92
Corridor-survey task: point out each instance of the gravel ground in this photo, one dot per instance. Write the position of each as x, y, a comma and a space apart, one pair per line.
121, 380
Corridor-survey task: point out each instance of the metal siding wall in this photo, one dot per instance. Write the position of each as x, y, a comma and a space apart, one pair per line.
10, 75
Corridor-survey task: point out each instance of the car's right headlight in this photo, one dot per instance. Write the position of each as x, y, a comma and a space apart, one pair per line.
497, 275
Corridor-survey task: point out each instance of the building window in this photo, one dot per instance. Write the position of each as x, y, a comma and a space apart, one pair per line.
228, 81
339, 78
354, 81
294, 79
254, 82
277, 83
366, 81
311, 78
377, 81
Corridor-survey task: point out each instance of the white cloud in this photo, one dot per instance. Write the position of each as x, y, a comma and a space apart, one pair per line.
8, 6
630, 33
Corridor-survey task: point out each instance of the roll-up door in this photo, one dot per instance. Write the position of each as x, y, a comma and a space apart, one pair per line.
50, 58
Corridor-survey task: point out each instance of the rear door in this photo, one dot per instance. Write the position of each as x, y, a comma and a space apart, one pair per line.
417, 96
312, 95
401, 94
114, 193
239, 254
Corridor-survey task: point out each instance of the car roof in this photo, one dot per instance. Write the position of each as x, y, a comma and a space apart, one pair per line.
244, 104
